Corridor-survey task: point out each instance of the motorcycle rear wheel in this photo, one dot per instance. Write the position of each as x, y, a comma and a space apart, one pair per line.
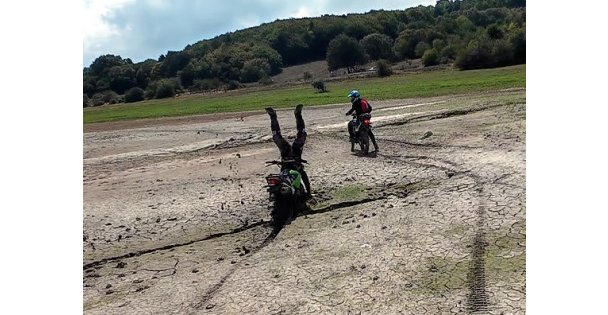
282, 211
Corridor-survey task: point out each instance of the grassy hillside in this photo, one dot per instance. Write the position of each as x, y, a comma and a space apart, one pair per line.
424, 84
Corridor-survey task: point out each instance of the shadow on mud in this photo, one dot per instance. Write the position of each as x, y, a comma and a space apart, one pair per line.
372, 155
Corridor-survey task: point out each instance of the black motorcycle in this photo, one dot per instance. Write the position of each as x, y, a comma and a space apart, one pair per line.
362, 126
286, 192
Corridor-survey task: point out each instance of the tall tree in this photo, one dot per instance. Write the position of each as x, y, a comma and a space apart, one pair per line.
102, 64
378, 46
174, 61
344, 51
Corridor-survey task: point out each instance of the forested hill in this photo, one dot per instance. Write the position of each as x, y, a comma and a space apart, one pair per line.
469, 33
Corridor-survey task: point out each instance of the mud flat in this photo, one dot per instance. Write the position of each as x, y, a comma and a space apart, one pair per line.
175, 215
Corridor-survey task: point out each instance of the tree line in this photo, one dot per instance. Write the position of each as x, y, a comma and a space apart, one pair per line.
468, 33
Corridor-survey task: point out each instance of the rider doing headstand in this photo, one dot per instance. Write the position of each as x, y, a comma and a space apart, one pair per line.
291, 152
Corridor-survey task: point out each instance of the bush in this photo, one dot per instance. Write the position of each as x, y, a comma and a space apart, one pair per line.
438, 44
135, 94
448, 52
517, 39
165, 89
485, 53
383, 68
111, 97
120, 99
255, 69
320, 86
85, 100
150, 92
430, 57
502, 53
421, 47
307, 75
206, 84
233, 85
265, 80
405, 44
494, 32
162, 88
97, 99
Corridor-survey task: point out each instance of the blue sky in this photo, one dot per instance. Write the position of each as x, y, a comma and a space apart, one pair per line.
142, 29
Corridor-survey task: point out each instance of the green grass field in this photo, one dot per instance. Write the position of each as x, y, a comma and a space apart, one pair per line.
425, 84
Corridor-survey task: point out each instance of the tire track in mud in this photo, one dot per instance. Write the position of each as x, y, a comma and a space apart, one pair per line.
441, 115
432, 145
476, 277
477, 298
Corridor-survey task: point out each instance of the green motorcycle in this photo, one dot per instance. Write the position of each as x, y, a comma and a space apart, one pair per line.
286, 192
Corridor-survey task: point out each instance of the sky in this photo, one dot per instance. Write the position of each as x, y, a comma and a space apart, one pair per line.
143, 29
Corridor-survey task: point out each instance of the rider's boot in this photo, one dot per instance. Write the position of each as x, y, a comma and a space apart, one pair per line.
271, 111
373, 138
352, 146
298, 110
300, 126
274, 122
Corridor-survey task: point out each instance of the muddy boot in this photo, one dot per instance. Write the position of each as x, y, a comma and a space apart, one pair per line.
300, 126
271, 112
298, 110
373, 138
274, 126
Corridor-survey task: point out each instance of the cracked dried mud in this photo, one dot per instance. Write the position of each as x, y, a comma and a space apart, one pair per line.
176, 218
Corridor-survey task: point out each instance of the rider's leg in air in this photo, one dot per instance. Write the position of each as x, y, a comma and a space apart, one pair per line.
278, 139
298, 144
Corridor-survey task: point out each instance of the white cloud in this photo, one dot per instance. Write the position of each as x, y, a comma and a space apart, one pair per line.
97, 31
94, 13
302, 12
141, 29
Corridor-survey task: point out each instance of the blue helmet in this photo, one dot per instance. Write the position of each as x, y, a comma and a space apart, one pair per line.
354, 93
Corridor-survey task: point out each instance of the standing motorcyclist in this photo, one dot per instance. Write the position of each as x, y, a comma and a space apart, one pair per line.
360, 106
291, 152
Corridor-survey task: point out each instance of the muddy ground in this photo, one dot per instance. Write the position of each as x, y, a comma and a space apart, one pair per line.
176, 218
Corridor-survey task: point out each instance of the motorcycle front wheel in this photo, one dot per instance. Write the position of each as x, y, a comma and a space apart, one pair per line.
364, 142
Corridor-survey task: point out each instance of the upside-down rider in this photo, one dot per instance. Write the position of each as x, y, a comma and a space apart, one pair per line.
360, 106
291, 152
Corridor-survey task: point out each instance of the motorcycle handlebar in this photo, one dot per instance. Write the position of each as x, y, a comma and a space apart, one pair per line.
367, 115
285, 162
